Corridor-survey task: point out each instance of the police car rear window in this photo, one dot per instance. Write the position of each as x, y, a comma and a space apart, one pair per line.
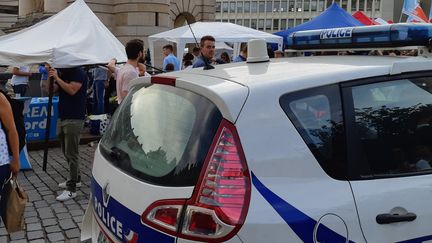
161, 135
317, 115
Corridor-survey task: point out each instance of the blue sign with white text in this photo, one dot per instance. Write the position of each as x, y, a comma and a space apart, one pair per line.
35, 118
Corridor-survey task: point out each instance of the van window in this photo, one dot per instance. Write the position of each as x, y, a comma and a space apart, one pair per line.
317, 115
161, 135
393, 127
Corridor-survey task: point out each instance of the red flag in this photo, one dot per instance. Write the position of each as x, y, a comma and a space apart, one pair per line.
364, 19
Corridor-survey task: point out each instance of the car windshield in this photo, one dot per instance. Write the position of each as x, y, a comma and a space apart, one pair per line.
161, 134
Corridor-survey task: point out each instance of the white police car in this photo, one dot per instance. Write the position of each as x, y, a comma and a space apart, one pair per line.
302, 149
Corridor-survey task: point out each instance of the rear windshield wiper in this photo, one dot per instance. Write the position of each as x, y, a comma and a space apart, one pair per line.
120, 157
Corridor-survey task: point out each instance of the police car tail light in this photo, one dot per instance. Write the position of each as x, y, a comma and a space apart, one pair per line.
221, 199
219, 204
164, 215
163, 80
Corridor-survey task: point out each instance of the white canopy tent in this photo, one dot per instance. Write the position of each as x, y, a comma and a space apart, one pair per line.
222, 32
73, 37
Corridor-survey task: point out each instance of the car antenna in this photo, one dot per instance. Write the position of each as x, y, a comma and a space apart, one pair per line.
207, 65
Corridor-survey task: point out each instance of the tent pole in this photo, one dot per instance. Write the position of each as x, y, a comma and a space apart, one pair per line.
48, 124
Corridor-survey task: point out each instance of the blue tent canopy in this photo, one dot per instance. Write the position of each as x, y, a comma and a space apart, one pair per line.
332, 17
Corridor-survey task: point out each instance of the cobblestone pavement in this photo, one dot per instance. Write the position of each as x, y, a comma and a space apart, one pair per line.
46, 219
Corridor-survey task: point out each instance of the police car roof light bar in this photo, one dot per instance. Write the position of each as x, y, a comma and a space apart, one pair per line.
374, 37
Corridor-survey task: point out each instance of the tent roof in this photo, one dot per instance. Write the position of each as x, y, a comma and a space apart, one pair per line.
73, 37
333, 17
222, 32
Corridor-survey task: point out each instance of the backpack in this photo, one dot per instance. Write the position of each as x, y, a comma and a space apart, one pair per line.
17, 109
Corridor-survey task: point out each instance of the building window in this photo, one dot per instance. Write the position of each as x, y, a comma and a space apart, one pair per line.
314, 5
268, 24
344, 4
232, 21
261, 24
328, 4
239, 21
306, 6
321, 5
239, 7
369, 5
254, 7
225, 7
247, 7
269, 7
246, 22
275, 24
232, 7
377, 5
156, 19
291, 6
276, 6
218, 7
283, 24
290, 23
299, 6
353, 5
254, 24
284, 6
261, 6
361, 5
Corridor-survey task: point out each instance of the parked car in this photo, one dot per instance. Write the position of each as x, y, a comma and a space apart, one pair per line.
301, 149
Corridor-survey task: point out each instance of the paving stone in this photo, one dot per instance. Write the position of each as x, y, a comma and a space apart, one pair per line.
77, 212
32, 220
73, 233
40, 204
67, 224
53, 229
55, 237
63, 216
30, 214
34, 226
46, 213
38, 241
35, 235
75, 241
19, 241
78, 219
74, 207
3, 232
49, 222
44, 193
17, 235
61, 209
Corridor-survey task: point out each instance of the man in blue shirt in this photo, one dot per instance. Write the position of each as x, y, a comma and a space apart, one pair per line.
170, 58
243, 55
207, 45
100, 76
71, 84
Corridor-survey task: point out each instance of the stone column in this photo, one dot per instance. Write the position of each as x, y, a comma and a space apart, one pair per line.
25, 7
54, 6
139, 19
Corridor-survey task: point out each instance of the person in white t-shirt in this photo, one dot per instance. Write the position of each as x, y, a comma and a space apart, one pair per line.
134, 51
20, 79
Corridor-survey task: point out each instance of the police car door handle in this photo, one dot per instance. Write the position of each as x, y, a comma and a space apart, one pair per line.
388, 218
